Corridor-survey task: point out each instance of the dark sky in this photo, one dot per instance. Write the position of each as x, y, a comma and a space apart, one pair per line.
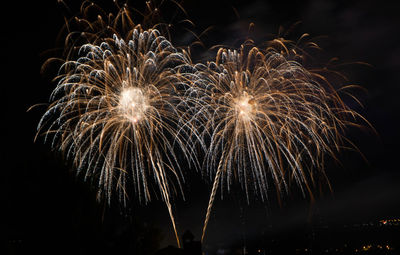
45, 201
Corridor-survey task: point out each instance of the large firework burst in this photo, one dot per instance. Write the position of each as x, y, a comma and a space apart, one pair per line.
119, 115
266, 117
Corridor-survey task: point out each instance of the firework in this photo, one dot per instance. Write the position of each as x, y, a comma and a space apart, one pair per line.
119, 113
129, 106
266, 117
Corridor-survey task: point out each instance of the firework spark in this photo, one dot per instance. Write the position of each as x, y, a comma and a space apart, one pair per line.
266, 116
119, 115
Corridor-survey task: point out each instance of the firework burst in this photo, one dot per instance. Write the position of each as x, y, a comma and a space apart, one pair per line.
127, 101
119, 113
267, 117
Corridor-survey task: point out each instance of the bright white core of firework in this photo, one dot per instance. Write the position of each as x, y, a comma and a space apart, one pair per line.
133, 103
244, 105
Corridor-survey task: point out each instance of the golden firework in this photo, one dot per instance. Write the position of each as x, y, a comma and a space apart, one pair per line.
267, 117
119, 113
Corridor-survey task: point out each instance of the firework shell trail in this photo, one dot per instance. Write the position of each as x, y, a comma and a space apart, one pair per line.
117, 111
266, 117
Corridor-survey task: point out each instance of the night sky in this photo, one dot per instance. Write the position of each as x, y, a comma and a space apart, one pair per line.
47, 206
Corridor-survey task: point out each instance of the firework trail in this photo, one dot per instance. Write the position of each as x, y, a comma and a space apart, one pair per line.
118, 109
266, 116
